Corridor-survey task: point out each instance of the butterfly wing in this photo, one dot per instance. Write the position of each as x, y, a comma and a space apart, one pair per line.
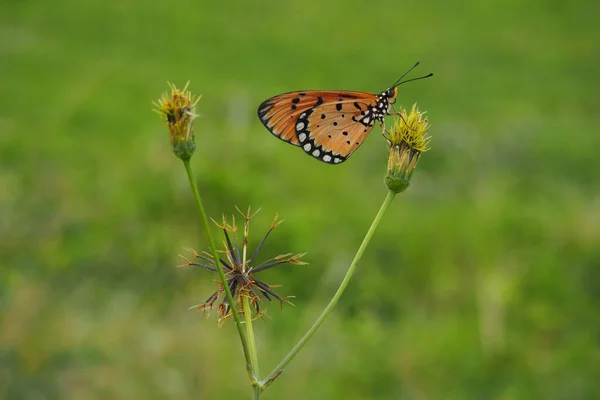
280, 113
328, 125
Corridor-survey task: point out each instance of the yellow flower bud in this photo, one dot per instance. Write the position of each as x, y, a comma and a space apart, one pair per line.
178, 109
408, 139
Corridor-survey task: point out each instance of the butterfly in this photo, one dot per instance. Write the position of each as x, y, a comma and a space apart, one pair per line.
329, 125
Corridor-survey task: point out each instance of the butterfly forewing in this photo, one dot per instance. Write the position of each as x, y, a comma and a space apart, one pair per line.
328, 125
280, 113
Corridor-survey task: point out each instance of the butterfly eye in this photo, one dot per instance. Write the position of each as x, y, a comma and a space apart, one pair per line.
391, 93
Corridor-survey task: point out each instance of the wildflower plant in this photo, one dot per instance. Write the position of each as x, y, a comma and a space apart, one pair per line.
239, 293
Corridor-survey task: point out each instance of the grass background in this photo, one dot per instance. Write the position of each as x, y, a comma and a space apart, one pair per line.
483, 281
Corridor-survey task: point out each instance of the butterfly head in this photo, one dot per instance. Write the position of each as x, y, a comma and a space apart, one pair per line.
391, 94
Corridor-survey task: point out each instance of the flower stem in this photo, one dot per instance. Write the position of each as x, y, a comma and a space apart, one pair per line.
256, 391
213, 249
311, 331
251, 346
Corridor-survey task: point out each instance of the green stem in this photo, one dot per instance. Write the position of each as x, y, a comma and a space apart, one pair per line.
250, 335
279, 368
213, 249
256, 391
251, 346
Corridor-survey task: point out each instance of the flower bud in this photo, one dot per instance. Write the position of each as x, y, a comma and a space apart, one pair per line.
408, 139
179, 111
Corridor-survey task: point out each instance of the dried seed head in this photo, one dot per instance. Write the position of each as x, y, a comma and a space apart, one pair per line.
240, 269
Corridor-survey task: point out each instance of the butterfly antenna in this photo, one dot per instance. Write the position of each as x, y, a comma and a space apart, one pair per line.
406, 73
415, 79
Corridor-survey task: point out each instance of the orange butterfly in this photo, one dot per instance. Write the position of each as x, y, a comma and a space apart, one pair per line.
328, 124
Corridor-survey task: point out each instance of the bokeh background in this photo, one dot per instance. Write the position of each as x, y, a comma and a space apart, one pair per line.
482, 282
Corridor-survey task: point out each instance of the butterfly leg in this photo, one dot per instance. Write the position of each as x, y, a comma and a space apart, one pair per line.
383, 131
402, 116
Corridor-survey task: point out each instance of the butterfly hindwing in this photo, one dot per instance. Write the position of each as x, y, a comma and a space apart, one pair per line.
335, 130
328, 125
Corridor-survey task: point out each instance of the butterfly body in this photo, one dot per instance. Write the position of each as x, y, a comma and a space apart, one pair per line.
327, 125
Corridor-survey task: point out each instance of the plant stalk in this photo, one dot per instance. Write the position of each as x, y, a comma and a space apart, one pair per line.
213, 249
251, 347
319, 321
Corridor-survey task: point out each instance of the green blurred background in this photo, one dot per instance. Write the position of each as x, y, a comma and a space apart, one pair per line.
482, 282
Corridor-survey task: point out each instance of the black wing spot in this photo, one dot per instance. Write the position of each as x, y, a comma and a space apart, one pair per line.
343, 116
294, 107
329, 136
323, 116
338, 106
347, 141
319, 101
357, 105
345, 133
334, 123
357, 143
301, 94
296, 100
